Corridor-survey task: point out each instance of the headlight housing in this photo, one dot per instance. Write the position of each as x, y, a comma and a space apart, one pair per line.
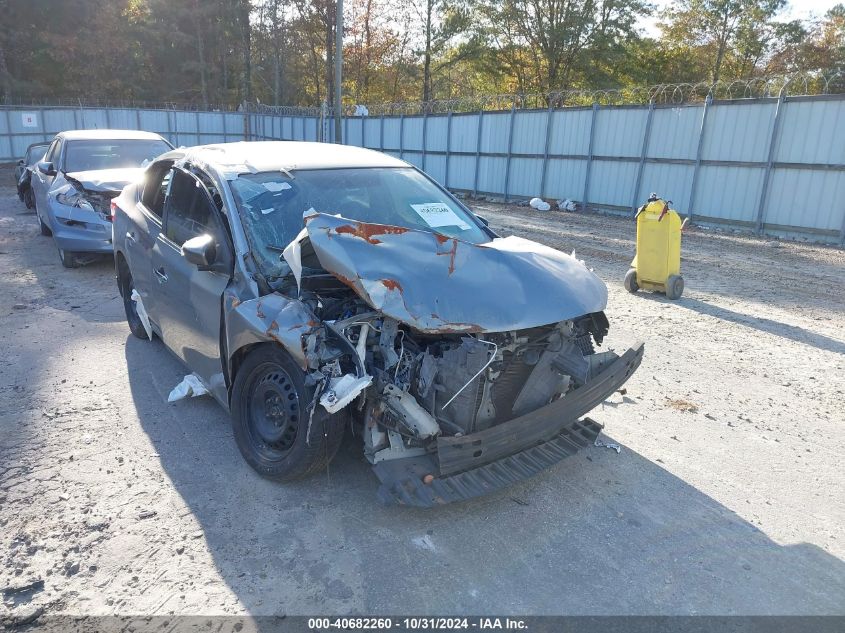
72, 197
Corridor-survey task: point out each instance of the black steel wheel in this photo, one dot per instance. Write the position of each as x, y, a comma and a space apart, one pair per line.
271, 418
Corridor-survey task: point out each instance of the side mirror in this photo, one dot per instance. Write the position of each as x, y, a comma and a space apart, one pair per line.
48, 169
483, 220
21, 161
200, 251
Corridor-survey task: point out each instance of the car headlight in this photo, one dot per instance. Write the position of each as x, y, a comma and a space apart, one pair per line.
73, 198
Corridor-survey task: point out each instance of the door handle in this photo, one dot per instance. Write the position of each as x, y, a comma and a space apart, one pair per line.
161, 275
130, 236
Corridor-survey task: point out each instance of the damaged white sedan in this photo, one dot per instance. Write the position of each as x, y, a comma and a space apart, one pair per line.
310, 287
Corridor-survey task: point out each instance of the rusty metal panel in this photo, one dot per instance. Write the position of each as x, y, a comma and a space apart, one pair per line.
619, 132
739, 131
729, 193
806, 198
674, 132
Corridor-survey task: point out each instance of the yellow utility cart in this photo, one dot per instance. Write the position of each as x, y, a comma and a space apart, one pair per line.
657, 262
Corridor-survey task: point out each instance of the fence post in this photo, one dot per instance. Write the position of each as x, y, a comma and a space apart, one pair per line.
381, 133
510, 150
363, 131
698, 153
137, 119
424, 138
643, 154
225, 133
549, 119
304, 132
477, 154
246, 120
170, 127
448, 147
402, 136
585, 198
197, 123
75, 120
176, 127
108, 117
773, 139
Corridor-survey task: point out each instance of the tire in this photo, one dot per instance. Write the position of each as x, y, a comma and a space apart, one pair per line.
124, 282
68, 259
28, 199
674, 287
631, 281
270, 418
45, 230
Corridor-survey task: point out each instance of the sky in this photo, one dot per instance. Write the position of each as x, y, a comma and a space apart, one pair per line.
800, 9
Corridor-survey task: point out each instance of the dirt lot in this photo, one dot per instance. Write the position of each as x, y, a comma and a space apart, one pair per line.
727, 497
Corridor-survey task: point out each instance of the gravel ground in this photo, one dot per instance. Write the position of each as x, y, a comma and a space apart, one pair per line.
727, 496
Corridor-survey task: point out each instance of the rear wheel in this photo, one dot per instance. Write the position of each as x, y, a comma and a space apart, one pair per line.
631, 281
674, 287
124, 282
68, 258
28, 199
271, 419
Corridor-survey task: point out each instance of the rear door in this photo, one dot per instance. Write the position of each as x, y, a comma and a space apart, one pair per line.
143, 226
41, 182
187, 301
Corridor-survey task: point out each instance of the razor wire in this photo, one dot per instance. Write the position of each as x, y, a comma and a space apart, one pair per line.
770, 86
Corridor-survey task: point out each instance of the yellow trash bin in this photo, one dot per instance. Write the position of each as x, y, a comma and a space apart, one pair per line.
657, 262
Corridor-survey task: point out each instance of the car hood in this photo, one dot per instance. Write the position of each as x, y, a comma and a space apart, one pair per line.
438, 284
106, 179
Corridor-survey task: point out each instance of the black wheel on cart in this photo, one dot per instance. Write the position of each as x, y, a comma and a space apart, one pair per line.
631, 281
674, 287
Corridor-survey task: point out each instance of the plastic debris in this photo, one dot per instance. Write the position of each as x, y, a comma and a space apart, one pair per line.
566, 205
614, 447
341, 391
142, 313
539, 204
190, 387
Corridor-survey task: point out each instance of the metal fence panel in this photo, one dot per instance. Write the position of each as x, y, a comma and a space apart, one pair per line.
464, 133
566, 178
812, 132
806, 198
674, 132
729, 193
619, 132
570, 132
529, 132
671, 181
739, 132
461, 172
611, 182
525, 177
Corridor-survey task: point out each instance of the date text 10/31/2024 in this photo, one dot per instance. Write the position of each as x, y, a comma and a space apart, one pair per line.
417, 623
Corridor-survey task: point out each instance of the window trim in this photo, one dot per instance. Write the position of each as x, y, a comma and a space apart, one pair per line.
149, 213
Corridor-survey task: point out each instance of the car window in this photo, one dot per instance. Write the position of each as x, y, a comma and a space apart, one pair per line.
155, 188
34, 154
189, 212
271, 205
53, 152
111, 154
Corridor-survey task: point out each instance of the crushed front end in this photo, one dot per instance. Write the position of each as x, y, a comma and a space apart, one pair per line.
451, 402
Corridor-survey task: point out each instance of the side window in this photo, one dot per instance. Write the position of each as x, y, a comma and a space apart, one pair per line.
189, 212
155, 189
51, 153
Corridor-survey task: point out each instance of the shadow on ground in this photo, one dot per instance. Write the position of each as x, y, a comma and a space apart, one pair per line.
599, 533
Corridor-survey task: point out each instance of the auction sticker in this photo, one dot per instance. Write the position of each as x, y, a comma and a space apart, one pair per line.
437, 214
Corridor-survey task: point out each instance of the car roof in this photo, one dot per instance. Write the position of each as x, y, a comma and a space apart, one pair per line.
109, 135
288, 155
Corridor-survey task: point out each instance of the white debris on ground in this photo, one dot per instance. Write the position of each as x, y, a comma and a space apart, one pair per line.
539, 204
566, 205
190, 387
142, 313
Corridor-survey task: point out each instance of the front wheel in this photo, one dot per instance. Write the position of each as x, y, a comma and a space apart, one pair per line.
273, 427
28, 199
631, 281
124, 281
674, 287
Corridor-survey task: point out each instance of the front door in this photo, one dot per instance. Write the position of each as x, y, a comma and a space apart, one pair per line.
187, 301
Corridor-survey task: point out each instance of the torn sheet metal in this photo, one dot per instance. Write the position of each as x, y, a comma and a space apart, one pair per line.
293, 256
438, 284
142, 313
612, 446
190, 387
343, 390
272, 317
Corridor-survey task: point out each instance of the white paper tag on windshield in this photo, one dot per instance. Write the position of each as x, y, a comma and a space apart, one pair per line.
276, 186
437, 214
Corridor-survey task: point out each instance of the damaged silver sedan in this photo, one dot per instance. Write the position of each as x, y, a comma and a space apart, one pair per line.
311, 287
